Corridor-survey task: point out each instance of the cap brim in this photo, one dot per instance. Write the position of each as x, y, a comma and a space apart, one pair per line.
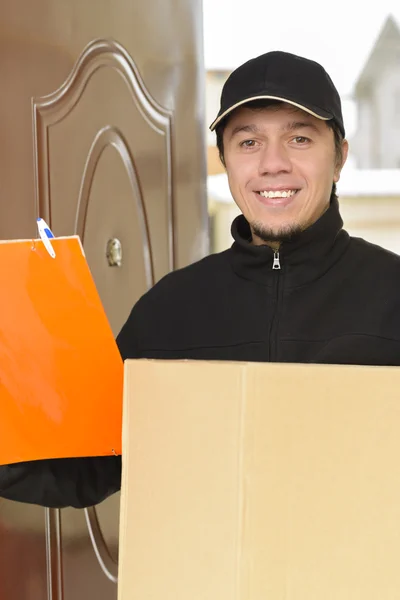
320, 115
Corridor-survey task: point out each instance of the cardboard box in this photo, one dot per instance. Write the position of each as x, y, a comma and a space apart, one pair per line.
260, 482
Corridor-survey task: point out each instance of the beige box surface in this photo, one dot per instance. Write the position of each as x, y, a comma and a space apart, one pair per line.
260, 482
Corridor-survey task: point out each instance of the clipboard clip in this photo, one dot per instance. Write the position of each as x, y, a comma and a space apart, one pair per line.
46, 235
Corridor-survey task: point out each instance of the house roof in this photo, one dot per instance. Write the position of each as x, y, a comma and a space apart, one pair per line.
386, 49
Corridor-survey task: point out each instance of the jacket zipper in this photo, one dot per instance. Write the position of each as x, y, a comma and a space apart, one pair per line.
273, 333
277, 263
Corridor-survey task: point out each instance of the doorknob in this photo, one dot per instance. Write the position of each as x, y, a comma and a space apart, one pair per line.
114, 253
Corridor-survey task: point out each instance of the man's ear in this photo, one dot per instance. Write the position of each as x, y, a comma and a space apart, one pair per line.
339, 166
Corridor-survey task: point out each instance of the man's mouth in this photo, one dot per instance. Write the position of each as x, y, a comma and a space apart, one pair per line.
277, 193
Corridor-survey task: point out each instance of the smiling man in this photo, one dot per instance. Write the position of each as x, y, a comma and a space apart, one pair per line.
280, 135
281, 165
294, 286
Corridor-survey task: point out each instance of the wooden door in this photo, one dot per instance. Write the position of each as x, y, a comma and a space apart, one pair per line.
101, 116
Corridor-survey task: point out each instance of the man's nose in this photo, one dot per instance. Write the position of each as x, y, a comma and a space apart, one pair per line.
274, 159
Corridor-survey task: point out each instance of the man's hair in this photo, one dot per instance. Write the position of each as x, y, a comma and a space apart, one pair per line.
262, 104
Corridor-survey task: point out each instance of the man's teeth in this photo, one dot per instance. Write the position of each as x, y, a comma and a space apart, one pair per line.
280, 194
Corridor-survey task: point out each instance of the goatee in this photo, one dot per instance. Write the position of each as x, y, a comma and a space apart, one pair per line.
266, 234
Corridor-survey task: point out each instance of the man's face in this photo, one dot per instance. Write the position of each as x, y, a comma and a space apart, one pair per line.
281, 164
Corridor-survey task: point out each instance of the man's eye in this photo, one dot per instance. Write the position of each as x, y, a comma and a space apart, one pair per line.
248, 143
300, 139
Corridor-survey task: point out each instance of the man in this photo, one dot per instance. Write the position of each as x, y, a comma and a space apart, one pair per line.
294, 287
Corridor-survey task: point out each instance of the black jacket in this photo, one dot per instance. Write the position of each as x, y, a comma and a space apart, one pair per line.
334, 299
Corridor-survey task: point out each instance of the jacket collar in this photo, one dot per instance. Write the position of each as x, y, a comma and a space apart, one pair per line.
305, 258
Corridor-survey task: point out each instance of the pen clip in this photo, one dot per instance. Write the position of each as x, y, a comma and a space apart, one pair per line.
45, 235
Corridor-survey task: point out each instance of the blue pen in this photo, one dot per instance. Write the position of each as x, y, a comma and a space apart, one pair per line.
45, 235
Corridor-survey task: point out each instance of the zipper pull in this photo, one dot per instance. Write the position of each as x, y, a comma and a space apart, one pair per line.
277, 263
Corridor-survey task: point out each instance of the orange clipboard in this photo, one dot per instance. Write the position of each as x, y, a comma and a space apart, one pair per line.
61, 374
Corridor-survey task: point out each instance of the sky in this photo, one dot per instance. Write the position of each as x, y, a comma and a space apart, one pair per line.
339, 34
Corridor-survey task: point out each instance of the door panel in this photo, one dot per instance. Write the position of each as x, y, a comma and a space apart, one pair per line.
101, 118
23, 573
115, 162
117, 212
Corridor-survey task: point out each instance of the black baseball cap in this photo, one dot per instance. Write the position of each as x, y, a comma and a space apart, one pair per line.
285, 77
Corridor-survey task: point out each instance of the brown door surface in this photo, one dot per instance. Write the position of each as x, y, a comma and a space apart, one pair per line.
101, 114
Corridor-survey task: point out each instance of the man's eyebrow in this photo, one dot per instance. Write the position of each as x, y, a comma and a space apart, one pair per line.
245, 128
289, 127
296, 125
